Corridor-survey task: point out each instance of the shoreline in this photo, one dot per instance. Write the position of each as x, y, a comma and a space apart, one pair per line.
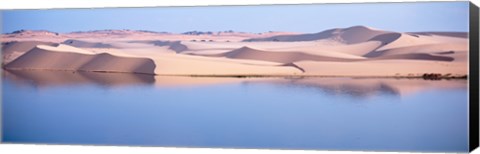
425, 76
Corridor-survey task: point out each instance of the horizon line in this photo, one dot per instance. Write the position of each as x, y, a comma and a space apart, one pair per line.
207, 31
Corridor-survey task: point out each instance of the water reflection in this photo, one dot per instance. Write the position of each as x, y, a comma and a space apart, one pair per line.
353, 87
367, 87
348, 88
274, 113
42, 78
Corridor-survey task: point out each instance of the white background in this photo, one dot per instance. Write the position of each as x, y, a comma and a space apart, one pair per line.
62, 149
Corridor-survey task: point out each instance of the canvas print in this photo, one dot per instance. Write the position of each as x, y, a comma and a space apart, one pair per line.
365, 76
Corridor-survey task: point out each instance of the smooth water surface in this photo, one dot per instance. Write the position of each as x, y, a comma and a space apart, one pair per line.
304, 113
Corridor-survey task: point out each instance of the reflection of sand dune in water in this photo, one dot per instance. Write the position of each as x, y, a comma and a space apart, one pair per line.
361, 87
42, 78
183, 81
367, 87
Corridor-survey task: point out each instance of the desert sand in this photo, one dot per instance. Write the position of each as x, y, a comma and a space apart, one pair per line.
357, 51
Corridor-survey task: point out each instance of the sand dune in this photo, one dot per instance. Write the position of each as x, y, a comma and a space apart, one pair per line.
68, 58
292, 56
280, 57
358, 34
195, 65
457, 50
351, 35
206, 48
345, 51
352, 51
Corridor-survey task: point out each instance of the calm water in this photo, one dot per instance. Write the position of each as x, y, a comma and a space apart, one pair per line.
319, 113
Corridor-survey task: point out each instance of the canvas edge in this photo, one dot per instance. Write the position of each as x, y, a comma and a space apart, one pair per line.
473, 78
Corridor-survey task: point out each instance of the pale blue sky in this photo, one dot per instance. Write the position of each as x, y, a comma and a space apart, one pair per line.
402, 17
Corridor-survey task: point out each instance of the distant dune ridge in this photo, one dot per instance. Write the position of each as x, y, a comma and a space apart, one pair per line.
351, 51
351, 35
12, 50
